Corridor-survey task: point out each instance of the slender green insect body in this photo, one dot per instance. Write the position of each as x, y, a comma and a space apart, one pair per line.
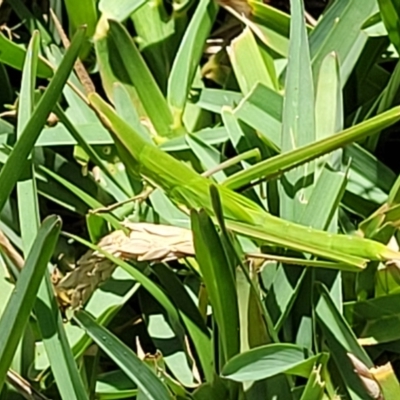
185, 186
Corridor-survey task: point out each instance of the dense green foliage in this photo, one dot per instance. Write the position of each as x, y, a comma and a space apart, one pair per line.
269, 135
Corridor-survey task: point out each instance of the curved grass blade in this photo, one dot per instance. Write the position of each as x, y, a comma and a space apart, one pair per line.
16, 314
273, 359
15, 164
145, 379
13, 55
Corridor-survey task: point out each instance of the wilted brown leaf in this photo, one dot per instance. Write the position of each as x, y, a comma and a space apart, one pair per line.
145, 242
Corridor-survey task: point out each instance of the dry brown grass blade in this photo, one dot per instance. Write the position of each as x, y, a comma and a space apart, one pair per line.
367, 378
145, 242
23, 387
8, 249
79, 67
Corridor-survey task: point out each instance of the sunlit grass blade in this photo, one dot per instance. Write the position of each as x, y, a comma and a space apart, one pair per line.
137, 371
298, 118
340, 31
272, 359
124, 10
264, 116
28, 207
188, 56
15, 164
149, 93
16, 314
277, 165
248, 63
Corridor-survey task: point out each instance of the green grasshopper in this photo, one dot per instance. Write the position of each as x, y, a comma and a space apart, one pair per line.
186, 187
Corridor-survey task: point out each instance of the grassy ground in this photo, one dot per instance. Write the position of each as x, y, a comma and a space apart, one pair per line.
206, 206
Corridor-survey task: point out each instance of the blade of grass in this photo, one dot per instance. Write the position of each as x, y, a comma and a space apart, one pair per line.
188, 57
124, 10
298, 119
15, 164
13, 55
46, 308
149, 93
16, 314
390, 13
219, 280
28, 207
277, 165
272, 359
248, 63
136, 370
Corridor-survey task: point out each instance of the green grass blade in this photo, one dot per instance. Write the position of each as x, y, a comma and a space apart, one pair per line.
219, 281
56, 344
275, 166
340, 31
136, 370
272, 359
298, 119
314, 389
188, 57
390, 13
264, 116
82, 12
80, 193
14, 55
341, 340
139, 74
248, 63
272, 26
16, 314
124, 10
28, 207
93, 155
46, 308
191, 316
159, 37
15, 164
